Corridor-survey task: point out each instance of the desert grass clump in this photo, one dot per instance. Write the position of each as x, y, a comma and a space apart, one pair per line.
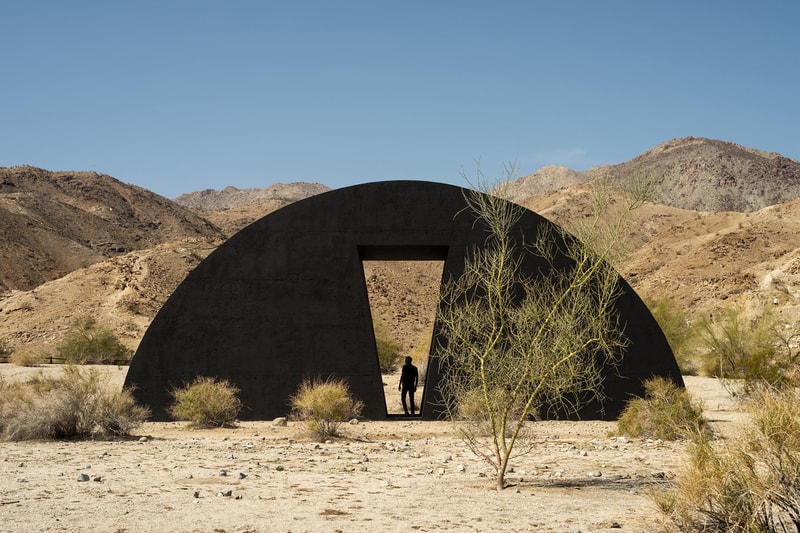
750, 484
324, 404
666, 412
76, 405
207, 403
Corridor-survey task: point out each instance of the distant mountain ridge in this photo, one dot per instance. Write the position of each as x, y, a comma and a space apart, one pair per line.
231, 197
690, 173
82, 243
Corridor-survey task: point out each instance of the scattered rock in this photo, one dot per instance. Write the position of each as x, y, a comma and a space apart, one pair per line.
83, 477
595, 473
242, 475
279, 421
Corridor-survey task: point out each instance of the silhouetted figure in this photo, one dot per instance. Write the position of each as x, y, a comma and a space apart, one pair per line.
408, 385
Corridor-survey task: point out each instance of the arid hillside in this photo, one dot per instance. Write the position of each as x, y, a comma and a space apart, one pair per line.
53, 223
745, 256
690, 173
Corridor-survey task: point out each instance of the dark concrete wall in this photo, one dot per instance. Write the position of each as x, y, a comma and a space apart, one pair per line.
285, 298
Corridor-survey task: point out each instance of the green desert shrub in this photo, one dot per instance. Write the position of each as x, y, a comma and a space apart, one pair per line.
666, 412
5, 402
679, 331
89, 342
389, 350
751, 483
207, 403
324, 404
77, 404
749, 350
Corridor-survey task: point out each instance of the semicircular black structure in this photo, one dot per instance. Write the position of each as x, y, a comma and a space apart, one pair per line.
285, 299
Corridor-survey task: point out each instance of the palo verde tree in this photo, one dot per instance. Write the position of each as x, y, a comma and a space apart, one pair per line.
512, 346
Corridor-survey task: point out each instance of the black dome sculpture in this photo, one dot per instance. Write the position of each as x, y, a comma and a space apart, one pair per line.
285, 299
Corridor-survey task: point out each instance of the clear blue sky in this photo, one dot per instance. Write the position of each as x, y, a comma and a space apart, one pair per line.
178, 96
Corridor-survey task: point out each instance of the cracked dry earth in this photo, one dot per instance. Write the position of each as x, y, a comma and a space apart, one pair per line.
381, 476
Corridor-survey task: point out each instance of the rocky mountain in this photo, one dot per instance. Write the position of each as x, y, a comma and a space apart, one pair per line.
232, 209
53, 223
117, 252
210, 199
689, 173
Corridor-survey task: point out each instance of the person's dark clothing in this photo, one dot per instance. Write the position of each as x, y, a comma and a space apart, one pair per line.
408, 385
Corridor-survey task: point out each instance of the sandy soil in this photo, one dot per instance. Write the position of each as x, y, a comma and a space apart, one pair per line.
382, 476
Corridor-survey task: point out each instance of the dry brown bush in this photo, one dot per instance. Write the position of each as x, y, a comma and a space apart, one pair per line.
324, 405
750, 483
74, 405
26, 358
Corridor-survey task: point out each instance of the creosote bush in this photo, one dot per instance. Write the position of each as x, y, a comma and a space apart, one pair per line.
89, 342
75, 405
324, 404
207, 403
666, 412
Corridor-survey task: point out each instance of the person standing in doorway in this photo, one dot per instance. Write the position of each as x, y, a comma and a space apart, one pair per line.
408, 385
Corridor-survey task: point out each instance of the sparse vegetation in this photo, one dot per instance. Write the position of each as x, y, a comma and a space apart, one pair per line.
207, 403
752, 483
5, 351
74, 405
679, 331
666, 412
323, 404
130, 303
89, 342
752, 351
389, 350
513, 345
26, 357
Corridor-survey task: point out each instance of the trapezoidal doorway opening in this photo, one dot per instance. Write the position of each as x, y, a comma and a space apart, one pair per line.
403, 286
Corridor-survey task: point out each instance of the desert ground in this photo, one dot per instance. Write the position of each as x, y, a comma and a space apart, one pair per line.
397, 475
